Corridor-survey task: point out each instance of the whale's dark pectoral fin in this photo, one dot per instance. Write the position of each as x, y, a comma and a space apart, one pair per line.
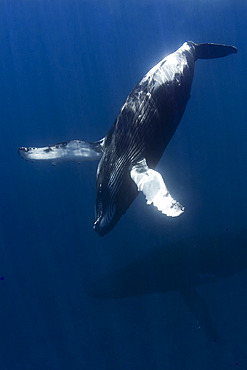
199, 308
73, 150
152, 185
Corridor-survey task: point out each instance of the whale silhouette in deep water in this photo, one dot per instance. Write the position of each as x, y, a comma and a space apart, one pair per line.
137, 139
181, 266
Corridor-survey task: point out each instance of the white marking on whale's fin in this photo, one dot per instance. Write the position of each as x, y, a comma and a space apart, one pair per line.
152, 185
73, 150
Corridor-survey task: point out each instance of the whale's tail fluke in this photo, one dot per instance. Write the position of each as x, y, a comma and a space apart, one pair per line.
211, 51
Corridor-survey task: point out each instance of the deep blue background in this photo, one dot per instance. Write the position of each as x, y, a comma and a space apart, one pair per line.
66, 68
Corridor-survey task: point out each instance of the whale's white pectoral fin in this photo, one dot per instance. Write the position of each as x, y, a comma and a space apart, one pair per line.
73, 150
152, 185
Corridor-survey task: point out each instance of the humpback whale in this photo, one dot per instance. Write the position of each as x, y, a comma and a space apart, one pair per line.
137, 139
182, 266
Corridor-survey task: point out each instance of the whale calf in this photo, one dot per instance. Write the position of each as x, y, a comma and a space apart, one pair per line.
137, 139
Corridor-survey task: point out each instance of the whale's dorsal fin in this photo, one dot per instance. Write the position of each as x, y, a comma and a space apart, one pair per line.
152, 185
73, 150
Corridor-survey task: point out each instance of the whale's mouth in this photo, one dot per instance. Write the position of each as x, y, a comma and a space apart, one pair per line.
105, 221
98, 227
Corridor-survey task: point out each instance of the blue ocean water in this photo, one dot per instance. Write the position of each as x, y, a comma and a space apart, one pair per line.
73, 300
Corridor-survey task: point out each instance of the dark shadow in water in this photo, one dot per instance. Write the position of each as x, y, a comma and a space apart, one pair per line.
180, 266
